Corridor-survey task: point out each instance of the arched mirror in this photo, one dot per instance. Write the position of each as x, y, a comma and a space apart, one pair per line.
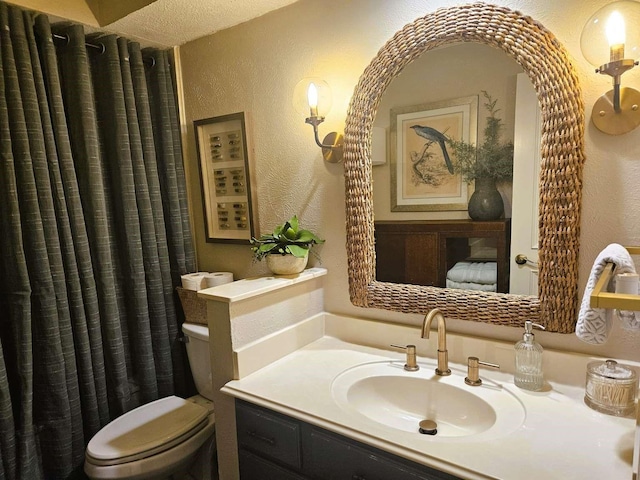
546, 63
424, 235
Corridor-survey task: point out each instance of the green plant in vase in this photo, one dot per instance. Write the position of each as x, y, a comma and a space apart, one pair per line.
486, 164
286, 249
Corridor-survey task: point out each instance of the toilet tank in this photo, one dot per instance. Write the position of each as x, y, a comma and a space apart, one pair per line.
199, 359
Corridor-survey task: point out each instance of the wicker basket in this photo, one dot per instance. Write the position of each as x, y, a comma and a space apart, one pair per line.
195, 309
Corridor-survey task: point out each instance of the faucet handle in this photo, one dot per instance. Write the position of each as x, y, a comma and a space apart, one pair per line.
412, 364
473, 371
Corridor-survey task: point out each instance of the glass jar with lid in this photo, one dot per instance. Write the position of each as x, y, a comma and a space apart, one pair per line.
611, 388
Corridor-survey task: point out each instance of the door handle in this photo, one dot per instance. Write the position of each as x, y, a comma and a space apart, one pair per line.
522, 259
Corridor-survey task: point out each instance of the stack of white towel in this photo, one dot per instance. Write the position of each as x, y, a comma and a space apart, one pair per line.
482, 276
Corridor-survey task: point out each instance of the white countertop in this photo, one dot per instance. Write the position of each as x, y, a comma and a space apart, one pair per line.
560, 438
256, 286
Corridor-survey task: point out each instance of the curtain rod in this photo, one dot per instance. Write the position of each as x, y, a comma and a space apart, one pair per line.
92, 45
99, 46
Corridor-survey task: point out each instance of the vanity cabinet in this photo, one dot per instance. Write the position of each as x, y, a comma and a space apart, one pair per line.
421, 252
269, 435
273, 446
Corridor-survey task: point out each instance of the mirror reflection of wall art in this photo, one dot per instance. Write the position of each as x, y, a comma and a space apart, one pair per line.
423, 177
225, 178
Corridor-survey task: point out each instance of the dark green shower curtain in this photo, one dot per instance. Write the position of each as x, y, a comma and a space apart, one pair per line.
94, 235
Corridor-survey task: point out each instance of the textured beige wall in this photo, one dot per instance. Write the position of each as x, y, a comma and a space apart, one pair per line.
76, 10
108, 11
254, 67
89, 12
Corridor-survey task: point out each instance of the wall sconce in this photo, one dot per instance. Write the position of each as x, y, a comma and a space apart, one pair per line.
312, 98
613, 33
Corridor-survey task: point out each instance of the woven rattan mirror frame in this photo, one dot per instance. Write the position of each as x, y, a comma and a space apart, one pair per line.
548, 66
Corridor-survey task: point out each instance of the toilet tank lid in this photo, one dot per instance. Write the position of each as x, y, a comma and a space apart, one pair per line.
196, 330
148, 427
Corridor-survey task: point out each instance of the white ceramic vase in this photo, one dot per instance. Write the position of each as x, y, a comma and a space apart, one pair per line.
286, 264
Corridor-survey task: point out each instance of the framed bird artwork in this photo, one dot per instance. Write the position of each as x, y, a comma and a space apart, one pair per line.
423, 174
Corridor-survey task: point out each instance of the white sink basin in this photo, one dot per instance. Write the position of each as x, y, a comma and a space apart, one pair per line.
388, 396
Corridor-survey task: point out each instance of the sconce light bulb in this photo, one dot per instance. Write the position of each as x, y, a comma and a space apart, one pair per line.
615, 31
312, 96
612, 34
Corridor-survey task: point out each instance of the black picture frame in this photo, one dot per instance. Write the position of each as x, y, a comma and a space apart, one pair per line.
225, 178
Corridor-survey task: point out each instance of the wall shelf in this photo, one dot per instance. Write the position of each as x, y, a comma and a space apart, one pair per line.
600, 298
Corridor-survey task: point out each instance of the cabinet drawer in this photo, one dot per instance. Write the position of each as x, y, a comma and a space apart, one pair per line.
268, 434
253, 467
331, 457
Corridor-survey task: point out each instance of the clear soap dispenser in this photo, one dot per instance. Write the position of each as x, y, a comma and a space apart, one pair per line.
529, 360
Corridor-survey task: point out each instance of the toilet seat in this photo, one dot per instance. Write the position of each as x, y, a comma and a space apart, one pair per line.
158, 466
147, 430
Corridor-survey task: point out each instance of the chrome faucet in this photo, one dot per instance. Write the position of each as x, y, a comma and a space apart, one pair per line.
443, 356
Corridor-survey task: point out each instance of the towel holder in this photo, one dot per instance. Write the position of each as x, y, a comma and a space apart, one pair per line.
600, 298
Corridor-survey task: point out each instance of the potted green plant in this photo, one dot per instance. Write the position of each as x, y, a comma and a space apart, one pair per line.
486, 164
286, 249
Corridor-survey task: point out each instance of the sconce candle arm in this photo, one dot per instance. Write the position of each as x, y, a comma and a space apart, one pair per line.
314, 121
617, 111
616, 94
615, 69
332, 152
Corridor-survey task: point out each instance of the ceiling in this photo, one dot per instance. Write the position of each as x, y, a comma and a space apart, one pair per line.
174, 22
164, 23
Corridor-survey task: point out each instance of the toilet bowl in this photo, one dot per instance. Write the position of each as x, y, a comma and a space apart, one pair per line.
168, 437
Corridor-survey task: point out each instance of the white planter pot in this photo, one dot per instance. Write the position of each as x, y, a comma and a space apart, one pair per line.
286, 264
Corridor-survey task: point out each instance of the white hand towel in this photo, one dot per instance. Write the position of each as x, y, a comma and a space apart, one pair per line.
594, 324
474, 272
483, 287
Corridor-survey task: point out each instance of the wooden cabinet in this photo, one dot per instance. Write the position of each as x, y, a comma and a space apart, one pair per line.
273, 446
269, 435
421, 252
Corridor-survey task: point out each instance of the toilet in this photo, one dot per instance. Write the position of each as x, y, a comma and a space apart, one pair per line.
168, 438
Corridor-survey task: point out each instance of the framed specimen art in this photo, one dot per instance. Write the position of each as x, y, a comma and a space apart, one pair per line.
225, 178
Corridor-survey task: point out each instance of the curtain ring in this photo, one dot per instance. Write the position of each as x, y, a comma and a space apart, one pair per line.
64, 37
99, 46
